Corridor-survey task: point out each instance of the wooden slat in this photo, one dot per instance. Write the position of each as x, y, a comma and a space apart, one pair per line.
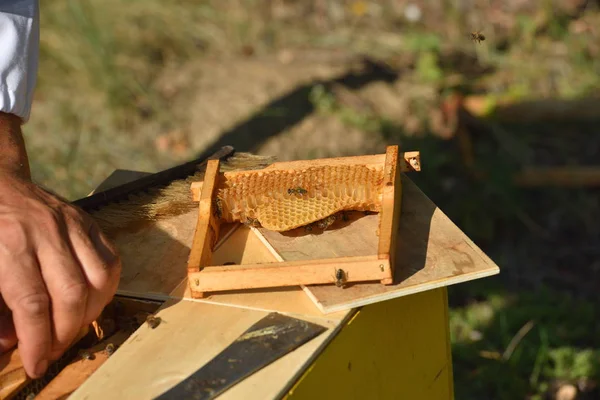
568, 177
76, 373
292, 273
390, 209
207, 231
12, 373
410, 161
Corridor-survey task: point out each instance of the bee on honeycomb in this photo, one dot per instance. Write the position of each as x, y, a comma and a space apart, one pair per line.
252, 222
297, 190
326, 222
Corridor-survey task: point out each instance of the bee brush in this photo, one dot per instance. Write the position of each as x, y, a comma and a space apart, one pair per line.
157, 201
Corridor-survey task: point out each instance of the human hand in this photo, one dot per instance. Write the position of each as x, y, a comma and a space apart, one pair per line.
57, 271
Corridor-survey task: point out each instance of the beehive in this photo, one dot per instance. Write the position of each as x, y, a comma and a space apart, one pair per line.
281, 200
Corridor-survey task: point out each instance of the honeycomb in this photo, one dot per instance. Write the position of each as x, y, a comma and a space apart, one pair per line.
281, 200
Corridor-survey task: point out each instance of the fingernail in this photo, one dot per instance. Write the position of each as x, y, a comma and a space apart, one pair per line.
41, 367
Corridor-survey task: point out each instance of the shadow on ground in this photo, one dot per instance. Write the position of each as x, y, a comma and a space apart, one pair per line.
291, 108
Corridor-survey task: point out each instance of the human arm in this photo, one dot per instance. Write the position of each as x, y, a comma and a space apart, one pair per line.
57, 271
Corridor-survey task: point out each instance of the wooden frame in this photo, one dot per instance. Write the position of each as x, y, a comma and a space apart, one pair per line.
204, 277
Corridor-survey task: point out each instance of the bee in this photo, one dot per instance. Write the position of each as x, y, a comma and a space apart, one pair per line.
252, 222
297, 190
340, 278
218, 207
326, 222
345, 216
86, 355
477, 36
153, 321
308, 228
110, 348
413, 160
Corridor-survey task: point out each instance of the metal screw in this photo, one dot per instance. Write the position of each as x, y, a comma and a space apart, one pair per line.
381, 267
197, 282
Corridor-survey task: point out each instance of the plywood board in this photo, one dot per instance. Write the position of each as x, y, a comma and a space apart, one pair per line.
431, 252
151, 362
358, 234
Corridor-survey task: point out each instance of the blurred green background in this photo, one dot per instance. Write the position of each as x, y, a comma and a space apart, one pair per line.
147, 84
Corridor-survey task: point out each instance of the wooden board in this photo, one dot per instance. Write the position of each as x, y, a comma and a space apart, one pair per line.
431, 252
191, 334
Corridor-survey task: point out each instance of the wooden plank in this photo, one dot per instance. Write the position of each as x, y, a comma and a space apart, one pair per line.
300, 245
76, 373
409, 161
206, 234
572, 176
166, 361
390, 210
154, 257
12, 373
432, 252
292, 273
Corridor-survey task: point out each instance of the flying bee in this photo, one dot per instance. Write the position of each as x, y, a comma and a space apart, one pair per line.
326, 222
340, 278
297, 190
477, 36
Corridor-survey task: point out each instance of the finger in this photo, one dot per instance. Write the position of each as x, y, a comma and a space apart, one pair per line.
25, 294
66, 284
8, 337
100, 262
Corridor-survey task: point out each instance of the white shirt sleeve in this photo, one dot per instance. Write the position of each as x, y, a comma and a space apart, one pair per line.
19, 48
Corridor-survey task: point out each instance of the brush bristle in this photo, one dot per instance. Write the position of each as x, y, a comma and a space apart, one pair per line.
167, 201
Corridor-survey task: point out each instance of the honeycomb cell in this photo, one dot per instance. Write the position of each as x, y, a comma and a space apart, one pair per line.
283, 200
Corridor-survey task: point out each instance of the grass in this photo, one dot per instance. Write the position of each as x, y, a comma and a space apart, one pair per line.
115, 91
